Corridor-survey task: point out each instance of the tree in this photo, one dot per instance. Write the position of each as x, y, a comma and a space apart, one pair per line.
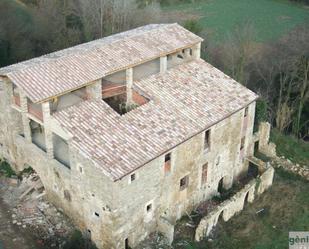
281, 71
234, 55
105, 17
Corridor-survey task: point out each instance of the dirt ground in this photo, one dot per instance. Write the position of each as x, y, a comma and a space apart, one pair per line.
11, 236
26, 219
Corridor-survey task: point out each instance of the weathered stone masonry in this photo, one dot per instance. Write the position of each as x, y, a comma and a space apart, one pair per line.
234, 205
121, 176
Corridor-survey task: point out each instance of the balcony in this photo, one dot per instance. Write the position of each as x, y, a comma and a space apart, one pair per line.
38, 135
146, 69
16, 100
111, 89
68, 100
16, 96
61, 150
35, 110
178, 58
114, 84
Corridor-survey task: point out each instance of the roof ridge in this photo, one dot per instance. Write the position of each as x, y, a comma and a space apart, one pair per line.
66, 70
48, 60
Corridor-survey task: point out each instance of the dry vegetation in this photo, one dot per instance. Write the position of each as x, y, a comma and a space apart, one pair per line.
266, 222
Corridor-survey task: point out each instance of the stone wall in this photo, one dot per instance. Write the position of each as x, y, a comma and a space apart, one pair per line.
269, 149
162, 190
115, 211
295, 168
82, 192
265, 147
167, 228
227, 209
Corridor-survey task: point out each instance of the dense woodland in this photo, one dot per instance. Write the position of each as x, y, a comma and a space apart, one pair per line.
277, 70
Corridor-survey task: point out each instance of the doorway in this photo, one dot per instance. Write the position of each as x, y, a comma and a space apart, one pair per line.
220, 186
126, 244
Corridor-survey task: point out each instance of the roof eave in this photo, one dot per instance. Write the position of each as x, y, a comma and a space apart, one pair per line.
207, 127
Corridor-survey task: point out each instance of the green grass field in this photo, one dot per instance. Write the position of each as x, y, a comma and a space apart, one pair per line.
270, 18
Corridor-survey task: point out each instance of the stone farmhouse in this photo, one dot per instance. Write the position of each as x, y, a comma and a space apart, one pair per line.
128, 132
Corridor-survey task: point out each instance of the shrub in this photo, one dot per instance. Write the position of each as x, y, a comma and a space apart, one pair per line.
77, 241
6, 169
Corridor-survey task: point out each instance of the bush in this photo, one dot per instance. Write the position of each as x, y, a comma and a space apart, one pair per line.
77, 241
6, 169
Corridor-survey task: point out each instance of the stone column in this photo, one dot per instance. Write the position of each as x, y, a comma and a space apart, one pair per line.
129, 82
196, 51
174, 59
163, 64
187, 54
94, 91
25, 119
47, 130
264, 134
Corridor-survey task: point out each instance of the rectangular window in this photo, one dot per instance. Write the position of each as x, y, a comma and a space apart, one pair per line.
167, 163
204, 173
246, 112
242, 143
207, 140
167, 157
149, 208
133, 177
184, 182
126, 243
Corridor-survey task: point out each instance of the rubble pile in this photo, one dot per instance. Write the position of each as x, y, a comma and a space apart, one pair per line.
154, 241
24, 197
286, 164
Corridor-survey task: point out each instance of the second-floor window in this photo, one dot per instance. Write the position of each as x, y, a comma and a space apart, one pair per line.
167, 163
207, 141
184, 182
246, 111
132, 177
242, 143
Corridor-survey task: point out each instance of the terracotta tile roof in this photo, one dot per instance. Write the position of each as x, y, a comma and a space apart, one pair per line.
59, 72
184, 101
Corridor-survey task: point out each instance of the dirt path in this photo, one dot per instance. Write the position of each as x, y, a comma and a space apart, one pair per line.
11, 235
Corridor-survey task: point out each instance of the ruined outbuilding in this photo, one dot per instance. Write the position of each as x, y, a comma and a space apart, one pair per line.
128, 132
